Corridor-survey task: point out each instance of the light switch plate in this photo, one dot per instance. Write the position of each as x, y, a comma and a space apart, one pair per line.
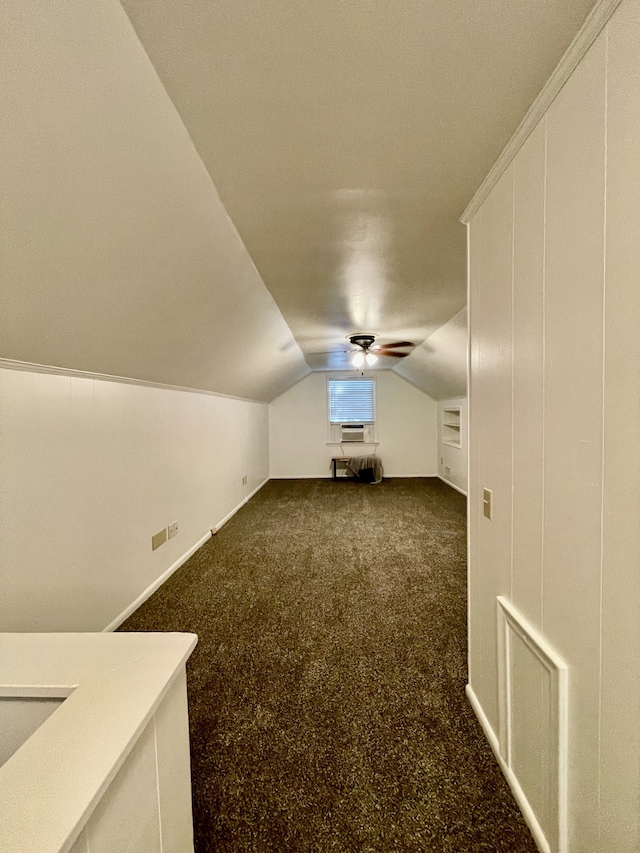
487, 500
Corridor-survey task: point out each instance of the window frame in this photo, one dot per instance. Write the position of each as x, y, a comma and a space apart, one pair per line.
334, 427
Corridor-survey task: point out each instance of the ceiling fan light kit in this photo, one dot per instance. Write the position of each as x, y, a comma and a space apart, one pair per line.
369, 350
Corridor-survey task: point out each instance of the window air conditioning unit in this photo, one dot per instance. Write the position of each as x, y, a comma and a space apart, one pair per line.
352, 432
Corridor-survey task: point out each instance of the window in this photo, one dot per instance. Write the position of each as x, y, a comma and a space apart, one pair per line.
351, 401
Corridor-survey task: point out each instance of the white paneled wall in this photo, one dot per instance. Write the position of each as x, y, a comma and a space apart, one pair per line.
528, 371
147, 807
620, 594
406, 429
555, 433
90, 470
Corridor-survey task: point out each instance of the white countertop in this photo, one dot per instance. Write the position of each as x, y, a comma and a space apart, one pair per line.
114, 684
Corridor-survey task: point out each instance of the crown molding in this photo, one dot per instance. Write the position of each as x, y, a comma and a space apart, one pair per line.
10, 364
590, 30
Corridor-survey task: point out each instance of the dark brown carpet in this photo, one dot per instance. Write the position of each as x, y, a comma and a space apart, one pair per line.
326, 692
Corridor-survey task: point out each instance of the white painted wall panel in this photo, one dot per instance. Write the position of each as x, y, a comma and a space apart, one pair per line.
475, 569
91, 469
573, 412
406, 429
90, 770
528, 354
620, 689
127, 817
531, 760
576, 431
174, 769
491, 367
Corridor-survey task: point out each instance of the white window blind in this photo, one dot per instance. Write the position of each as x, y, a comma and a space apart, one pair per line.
351, 401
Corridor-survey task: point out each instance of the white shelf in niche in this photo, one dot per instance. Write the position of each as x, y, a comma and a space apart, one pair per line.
450, 433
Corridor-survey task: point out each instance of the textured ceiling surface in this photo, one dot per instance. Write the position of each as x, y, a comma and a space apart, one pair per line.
345, 140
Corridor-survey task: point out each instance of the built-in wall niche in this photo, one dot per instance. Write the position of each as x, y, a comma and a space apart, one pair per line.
451, 426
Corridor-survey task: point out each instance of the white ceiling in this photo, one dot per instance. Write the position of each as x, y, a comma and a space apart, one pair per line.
344, 140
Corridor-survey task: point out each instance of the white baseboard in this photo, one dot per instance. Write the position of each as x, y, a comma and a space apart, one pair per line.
385, 477
453, 485
216, 527
301, 477
155, 585
179, 562
256, 490
516, 790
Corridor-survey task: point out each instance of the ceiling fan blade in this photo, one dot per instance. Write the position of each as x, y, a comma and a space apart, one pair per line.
392, 354
396, 345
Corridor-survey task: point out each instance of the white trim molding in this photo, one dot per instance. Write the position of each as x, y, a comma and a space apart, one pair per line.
256, 490
115, 683
592, 27
453, 485
512, 626
216, 527
148, 592
509, 775
29, 367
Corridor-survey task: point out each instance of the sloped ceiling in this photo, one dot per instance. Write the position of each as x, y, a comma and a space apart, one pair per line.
118, 256
344, 139
439, 365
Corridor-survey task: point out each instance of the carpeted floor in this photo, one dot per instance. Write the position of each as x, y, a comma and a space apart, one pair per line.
326, 693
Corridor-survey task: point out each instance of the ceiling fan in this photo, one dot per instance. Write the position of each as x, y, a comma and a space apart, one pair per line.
369, 350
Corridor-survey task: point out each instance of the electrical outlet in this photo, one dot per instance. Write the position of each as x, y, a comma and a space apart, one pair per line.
173, 529
158, 538
487, 500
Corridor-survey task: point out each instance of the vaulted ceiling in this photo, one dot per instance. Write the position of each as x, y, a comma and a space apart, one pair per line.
340, 141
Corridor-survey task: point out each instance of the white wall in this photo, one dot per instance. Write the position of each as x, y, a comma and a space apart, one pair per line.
555, 433
406, 429
90, 470
452, 461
